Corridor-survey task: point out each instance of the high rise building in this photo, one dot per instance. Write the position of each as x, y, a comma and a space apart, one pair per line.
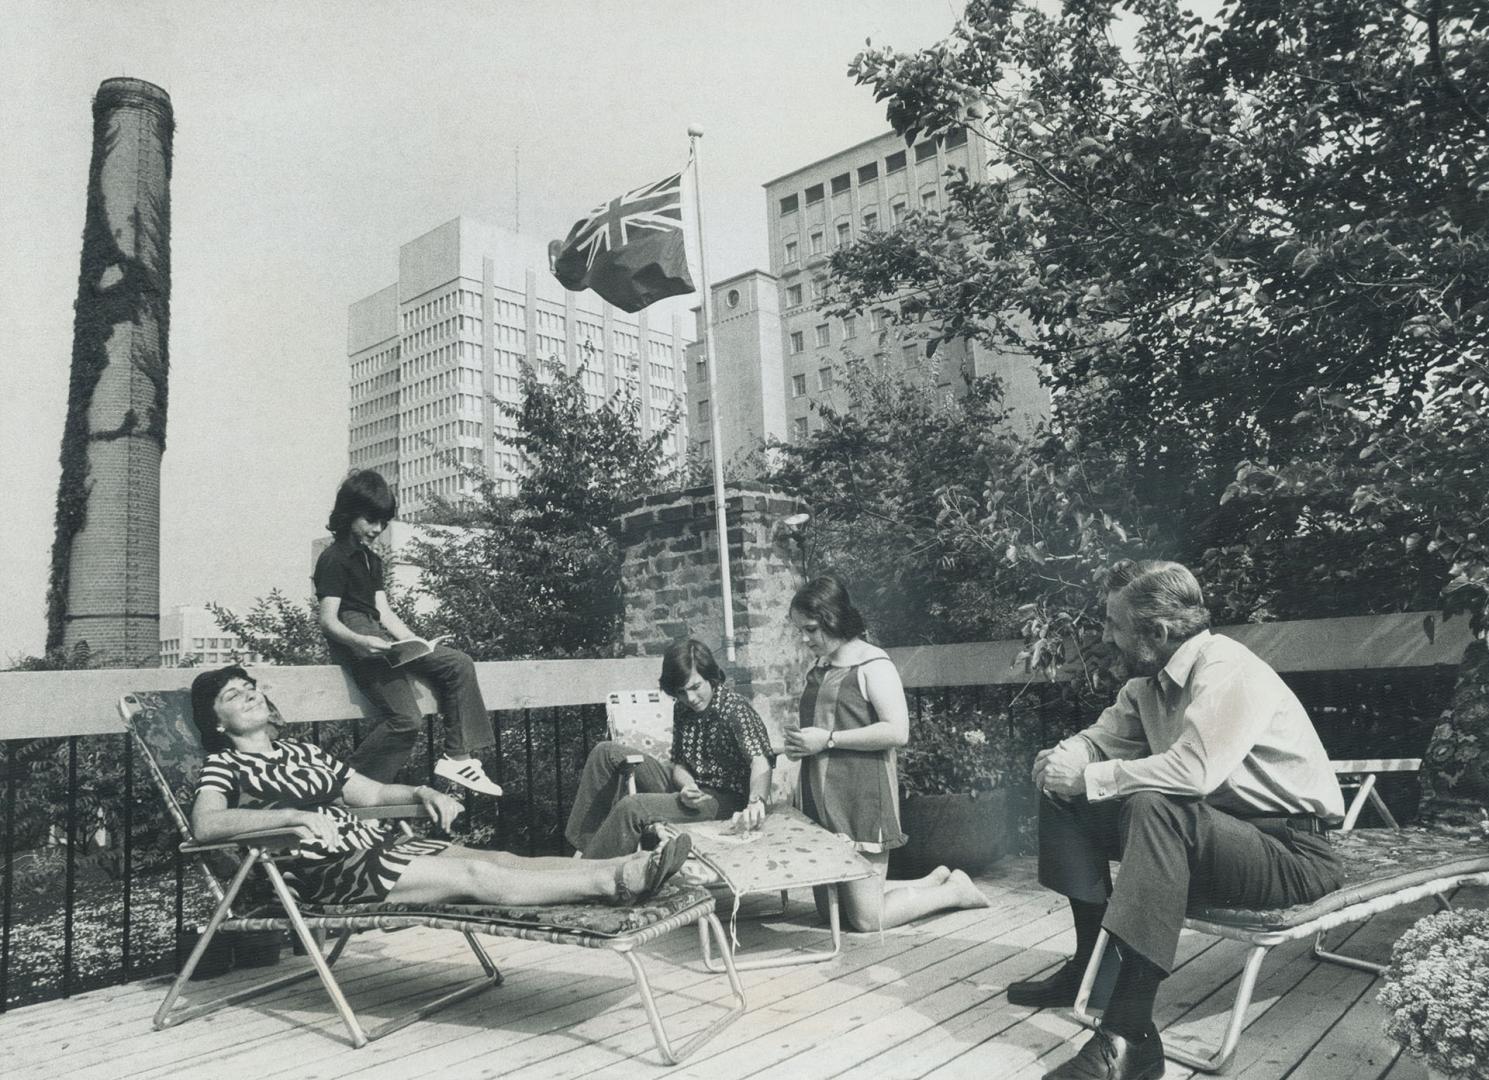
811, 212
190, 632
432, 355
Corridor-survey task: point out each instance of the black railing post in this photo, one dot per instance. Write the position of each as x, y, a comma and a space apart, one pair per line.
69, 889
558, 777
12, 781
128, 827
429, 747
532, 809
496, 748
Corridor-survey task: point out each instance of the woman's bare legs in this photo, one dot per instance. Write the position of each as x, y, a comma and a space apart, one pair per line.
868, 905
936, 877
485, 879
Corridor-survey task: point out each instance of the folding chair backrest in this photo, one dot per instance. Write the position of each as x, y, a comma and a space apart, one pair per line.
642, 720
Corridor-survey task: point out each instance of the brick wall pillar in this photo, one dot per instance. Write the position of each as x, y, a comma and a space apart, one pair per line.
670, 578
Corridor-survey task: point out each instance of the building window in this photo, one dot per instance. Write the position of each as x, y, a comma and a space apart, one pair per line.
816, 242
911, 355
823, 337
790, 251
926, 151
788, 205
824, 378
841, 184
868, 173
877, 319
798, 385
793, 296
894, 162
955, 137
731, 298
845, 234
870, 220
850, 326
928, 199
703, 411
897, 212
799, 429
814, 194
798, 341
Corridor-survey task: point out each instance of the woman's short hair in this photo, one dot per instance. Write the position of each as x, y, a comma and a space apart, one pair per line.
681, 659
204, 690
826, 600
1161, 595
365, 494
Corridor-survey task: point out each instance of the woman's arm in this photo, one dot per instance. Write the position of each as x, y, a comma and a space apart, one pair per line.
882, 686
328, 615
390, 619
362, 790
212, 820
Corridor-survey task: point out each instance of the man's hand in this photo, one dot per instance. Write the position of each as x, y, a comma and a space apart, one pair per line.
1061, 770
691, 797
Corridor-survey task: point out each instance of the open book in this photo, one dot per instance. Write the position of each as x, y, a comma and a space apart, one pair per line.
401, 652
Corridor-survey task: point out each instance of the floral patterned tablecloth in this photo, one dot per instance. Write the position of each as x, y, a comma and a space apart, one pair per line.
790, 851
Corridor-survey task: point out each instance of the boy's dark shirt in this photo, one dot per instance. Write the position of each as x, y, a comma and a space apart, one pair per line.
350, 571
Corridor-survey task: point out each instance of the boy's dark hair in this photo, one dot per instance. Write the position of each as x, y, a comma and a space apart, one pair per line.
204, 690
681, 659
826, 600
364, 493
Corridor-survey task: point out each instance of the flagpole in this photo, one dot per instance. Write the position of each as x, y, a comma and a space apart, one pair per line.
721, 519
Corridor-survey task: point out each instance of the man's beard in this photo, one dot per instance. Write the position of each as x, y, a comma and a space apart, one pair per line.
1143, 664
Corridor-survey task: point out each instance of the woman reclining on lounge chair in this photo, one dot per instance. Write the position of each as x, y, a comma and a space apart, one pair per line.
252, 780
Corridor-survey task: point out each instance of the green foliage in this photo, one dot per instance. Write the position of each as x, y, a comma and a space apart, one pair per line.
951, 752
1234, 225
277, 629
538, 573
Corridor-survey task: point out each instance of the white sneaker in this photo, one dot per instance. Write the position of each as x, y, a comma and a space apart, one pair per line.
468, 773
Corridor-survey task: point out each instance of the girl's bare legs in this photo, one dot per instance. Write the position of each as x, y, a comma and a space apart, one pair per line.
936, 877
459, 878
868, 906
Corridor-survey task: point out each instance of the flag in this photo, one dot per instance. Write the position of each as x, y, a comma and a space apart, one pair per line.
629, 250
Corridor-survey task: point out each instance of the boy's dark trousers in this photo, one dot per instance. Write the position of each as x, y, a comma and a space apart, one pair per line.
1175, 850
604, 823
397, 720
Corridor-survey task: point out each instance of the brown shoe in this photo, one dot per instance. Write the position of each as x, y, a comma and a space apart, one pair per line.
1108, 1056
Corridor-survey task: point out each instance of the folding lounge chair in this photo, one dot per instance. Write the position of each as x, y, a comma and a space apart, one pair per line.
1383, 869
161, 726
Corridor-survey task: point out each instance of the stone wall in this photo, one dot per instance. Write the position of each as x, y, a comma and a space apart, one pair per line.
670, 577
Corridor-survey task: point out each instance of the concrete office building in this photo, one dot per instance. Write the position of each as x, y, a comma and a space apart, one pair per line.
810, 212
191, 631
431, 356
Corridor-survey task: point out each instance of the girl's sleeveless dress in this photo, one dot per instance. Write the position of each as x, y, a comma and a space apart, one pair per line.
855, 793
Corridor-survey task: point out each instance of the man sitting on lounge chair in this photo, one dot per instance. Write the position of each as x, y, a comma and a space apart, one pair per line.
1206, 779
252, 781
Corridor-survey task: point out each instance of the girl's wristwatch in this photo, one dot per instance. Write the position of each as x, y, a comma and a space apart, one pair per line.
830, 739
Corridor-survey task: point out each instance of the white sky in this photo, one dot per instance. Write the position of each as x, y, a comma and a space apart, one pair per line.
312, 138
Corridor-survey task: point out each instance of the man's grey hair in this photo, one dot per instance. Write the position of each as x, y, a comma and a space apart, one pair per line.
1161, 596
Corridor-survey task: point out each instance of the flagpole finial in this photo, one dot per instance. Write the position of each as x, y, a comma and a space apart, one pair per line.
694, 131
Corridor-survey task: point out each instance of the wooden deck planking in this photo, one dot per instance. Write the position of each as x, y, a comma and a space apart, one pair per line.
924, 1001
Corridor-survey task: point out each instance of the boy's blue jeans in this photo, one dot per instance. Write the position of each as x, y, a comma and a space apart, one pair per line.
397, 720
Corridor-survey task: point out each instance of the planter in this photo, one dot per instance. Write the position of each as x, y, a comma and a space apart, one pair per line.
965, 832
256, 948
217, 960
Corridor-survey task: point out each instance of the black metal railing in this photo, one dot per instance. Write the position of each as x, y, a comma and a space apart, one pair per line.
94, 891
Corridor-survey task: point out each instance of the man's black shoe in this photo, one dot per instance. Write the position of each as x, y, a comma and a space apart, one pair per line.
1053, 991
1108, 1056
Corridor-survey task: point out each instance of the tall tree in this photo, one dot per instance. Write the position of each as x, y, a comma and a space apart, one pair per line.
1204, 237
